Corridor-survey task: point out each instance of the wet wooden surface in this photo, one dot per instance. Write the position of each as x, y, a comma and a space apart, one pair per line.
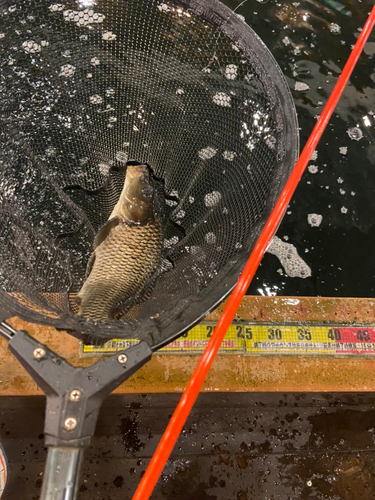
233, 446
230, 372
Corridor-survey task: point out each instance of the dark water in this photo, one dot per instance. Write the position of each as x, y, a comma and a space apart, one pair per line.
311, 41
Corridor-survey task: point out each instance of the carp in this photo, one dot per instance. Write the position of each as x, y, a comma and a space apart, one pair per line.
127, 251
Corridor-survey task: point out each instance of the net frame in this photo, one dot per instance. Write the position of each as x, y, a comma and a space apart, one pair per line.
160, 331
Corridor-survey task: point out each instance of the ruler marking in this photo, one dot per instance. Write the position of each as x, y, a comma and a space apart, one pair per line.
243, 337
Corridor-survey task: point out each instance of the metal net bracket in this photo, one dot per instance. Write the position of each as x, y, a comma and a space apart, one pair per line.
74, 396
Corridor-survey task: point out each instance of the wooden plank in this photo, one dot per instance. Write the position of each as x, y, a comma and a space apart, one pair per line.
230, 372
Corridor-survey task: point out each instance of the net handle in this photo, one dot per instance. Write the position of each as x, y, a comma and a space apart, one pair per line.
191, 392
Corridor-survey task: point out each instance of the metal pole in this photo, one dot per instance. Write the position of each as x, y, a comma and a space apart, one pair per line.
62, 473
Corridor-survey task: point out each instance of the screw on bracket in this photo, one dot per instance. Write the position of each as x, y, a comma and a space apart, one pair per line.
70, 423
75, 395
122, 358
39, 353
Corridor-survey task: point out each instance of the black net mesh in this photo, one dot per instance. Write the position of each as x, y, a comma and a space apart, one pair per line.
86, 87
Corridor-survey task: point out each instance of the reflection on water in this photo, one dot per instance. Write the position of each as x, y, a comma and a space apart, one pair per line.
311, 41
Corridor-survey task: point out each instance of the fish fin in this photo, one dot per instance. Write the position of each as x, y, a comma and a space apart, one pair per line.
105, 230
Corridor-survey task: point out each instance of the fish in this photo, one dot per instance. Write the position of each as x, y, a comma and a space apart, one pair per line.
127, 251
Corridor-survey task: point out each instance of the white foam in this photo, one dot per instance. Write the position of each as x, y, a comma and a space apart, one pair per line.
55, 7
301, 86
96, 99
104, 168
31, 47
121, 156
222, 99
51, 151
67, 70
95, 61
344, 210
343, 150
313, 169
163, 7
207, 153
109, 36
83, 17
229, 155
314, 156
314, 219
231, 72
293, 264
355, 133
334, 28
171, 242
210, 238
212, 199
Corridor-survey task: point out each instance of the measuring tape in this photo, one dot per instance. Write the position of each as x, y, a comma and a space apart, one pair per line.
250, 338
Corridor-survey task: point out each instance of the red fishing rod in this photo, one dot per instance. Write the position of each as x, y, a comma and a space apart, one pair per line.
191, 392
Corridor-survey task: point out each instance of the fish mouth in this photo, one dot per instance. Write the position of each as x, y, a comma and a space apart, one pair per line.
140, 172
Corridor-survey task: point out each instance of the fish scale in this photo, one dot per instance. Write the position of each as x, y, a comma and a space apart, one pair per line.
124, 262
